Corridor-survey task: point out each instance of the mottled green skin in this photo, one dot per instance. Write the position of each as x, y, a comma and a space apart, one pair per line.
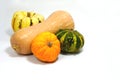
71, 40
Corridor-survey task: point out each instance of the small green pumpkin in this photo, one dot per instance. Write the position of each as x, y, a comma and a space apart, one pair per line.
71, 40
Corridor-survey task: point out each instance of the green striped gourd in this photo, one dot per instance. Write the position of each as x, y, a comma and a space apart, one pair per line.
71, 40
22, 19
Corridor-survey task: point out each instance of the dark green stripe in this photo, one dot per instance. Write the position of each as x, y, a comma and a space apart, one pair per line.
81, 38
77, 33
20, 24
78, 42
60, 33
31, 23
69, 38
68, 42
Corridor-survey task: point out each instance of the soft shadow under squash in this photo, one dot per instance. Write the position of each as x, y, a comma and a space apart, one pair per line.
34, 60
12, 53
75, 53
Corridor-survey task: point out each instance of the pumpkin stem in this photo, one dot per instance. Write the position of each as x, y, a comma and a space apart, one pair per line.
50, 44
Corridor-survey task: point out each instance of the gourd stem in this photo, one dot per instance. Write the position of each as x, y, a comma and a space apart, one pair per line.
50, 44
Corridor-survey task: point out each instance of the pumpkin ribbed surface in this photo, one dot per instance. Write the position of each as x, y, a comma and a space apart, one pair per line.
22, 19
71, 40
46, 47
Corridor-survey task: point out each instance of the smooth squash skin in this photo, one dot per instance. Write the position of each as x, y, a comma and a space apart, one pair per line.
21, 40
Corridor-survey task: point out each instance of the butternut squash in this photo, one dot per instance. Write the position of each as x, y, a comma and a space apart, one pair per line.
21, 40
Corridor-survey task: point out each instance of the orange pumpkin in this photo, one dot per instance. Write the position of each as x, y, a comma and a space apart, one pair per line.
46, 47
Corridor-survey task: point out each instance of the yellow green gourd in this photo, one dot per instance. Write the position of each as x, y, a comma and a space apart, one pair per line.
23, 19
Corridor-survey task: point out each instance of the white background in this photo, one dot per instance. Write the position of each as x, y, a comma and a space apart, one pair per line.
97, 20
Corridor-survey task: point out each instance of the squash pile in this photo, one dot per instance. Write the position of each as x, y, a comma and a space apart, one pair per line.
47, 38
